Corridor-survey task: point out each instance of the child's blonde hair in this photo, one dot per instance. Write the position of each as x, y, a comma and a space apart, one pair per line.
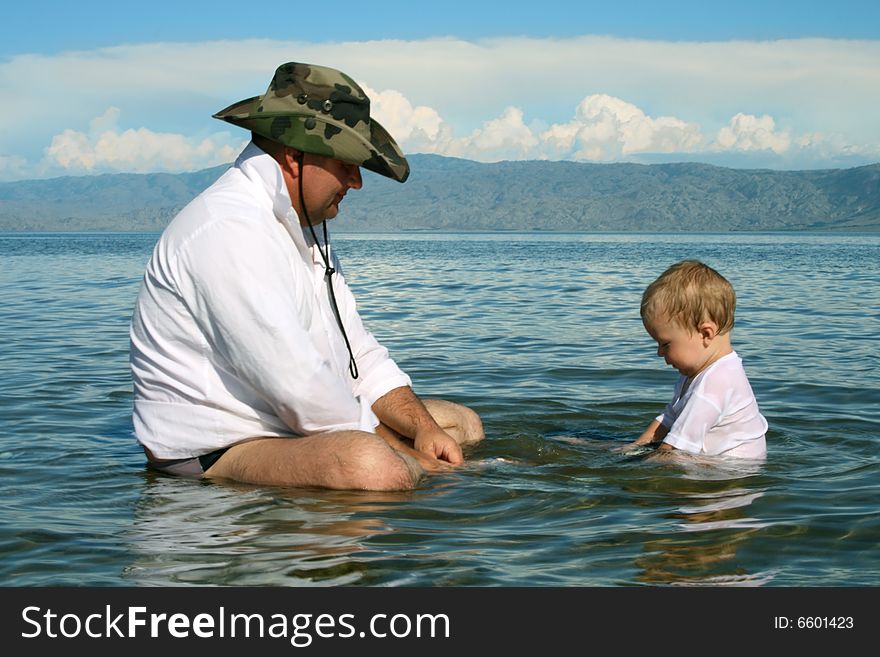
689, 293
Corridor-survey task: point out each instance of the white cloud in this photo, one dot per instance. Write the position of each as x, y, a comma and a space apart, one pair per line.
13, 167
506, 137
420, 128
604, 128
753, 133
598, 98
608, 128
106, 148
507, 132
108, 121
833, 150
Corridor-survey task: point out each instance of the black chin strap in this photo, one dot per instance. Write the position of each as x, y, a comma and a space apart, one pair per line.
328, 270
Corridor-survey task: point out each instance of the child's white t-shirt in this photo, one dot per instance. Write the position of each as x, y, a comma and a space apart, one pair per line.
717, 414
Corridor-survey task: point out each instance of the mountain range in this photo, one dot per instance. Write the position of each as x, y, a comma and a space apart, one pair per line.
454, 194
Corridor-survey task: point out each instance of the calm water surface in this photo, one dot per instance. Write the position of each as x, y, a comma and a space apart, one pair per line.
541, 335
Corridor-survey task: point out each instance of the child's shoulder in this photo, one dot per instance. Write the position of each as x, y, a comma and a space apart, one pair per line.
730, 362
725, 376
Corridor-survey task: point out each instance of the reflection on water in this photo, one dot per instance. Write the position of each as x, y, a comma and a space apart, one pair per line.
193, 532
705, 503
712, 525
710, 511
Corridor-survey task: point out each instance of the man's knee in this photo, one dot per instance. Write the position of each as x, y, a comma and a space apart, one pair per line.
459, 421
471, 426
375, 466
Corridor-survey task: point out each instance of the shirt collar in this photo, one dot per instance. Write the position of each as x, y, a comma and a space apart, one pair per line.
262, 170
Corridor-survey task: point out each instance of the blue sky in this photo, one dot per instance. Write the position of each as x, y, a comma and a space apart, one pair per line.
56, 26
96, 87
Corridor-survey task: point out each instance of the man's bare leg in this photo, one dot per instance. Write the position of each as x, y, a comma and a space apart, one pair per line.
458, 421
344, 460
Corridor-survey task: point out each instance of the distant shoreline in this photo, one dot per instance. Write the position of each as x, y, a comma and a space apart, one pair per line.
448, 194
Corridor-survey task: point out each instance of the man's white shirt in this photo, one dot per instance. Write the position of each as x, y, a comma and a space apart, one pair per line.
233, 336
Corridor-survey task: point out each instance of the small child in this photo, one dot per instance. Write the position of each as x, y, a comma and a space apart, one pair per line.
689, 311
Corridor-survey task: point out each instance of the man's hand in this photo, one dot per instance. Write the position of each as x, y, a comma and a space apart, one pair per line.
439, 444
404, 417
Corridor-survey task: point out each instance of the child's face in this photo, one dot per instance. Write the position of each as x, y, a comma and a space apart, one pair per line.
684, 349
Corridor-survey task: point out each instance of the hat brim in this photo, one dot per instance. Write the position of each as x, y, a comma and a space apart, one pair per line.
321, 134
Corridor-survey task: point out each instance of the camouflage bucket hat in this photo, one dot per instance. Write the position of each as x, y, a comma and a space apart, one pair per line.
319, 110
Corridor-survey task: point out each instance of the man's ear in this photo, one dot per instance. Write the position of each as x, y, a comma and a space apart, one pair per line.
708, 330
293, 159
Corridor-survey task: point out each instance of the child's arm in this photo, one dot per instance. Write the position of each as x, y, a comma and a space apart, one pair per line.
655, 433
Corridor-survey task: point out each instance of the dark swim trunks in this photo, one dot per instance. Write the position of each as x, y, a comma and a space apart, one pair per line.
192, 467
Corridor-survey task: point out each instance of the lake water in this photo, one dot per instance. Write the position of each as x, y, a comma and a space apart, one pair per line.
540, 334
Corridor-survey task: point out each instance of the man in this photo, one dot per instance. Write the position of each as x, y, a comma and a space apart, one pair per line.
249, 359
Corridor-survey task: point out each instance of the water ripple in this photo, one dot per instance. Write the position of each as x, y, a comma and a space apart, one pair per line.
541, 335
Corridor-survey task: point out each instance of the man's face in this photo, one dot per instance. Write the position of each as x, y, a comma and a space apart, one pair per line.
324, 184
